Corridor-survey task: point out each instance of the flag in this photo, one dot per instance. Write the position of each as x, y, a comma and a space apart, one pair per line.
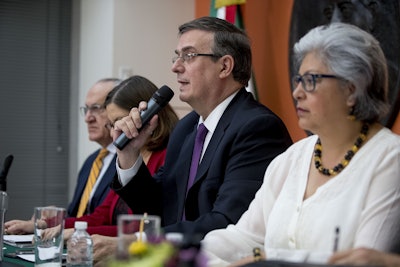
229, 10
222, 3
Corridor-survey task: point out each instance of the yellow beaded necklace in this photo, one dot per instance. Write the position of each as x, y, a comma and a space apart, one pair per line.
347, 157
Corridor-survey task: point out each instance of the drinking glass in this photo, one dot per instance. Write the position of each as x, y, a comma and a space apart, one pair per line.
48, 235
136, 228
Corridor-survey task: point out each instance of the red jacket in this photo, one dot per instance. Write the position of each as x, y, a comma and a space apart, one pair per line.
103, 220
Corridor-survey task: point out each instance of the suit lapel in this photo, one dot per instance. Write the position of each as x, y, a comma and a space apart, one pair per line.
86, 173
184, 165
183, 168
209, 153
107, 177
223, 124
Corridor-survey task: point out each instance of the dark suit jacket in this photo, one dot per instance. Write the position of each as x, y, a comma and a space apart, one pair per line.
101, 190
248, 136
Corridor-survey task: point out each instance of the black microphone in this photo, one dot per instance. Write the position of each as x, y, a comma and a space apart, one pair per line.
4, 172
159, 100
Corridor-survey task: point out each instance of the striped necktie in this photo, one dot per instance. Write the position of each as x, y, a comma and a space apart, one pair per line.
94, 173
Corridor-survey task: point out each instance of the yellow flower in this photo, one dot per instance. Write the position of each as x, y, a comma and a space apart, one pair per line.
138, 248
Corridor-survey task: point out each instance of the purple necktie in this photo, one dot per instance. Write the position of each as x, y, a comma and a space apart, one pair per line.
198, 147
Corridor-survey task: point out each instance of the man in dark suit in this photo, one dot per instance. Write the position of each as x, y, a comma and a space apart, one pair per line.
213, 66
96, 119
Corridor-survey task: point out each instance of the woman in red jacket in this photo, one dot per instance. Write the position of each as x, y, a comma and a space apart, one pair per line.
118, 103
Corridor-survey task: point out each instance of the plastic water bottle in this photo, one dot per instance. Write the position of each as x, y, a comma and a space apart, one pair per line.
80, 247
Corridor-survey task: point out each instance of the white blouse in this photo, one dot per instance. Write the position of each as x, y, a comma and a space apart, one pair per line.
363, 201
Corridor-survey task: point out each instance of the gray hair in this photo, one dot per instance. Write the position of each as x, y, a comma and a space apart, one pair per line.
356, 56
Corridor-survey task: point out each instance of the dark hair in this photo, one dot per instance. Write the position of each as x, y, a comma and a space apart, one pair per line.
129, 93
228, 40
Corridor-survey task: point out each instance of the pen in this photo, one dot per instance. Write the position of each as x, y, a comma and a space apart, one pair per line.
19, 252
336, 241
24, 251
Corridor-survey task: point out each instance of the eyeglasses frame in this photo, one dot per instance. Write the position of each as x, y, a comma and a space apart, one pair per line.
300, 79
190, 55
94, 109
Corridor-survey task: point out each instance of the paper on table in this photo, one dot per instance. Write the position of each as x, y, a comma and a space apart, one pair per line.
18, 238
28, 257
20, 241
31, 257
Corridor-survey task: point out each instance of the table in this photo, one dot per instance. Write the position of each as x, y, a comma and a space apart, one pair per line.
278, 263
14, 262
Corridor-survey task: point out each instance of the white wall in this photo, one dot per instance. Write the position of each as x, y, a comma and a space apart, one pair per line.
116, 38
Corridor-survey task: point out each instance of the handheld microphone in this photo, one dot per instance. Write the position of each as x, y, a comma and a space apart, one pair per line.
159, 100
4, 172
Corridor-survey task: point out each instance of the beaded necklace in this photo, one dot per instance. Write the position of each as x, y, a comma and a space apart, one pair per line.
347, 157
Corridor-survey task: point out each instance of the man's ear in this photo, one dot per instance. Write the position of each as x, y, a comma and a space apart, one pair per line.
227, 64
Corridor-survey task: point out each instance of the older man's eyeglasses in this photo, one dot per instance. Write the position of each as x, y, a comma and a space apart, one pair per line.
188, 56
309, 80
93, 109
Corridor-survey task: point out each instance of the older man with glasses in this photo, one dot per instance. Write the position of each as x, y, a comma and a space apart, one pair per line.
98, 169
95, 175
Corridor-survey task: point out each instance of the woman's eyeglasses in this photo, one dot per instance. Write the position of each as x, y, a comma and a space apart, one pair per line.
309, 80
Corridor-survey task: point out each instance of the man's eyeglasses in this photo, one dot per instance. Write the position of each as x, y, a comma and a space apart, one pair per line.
94, 109
189, 56
309, 80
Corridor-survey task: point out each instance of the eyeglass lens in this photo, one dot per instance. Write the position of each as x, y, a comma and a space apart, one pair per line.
94, 109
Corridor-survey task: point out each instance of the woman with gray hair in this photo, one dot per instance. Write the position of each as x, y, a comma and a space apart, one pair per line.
338, 188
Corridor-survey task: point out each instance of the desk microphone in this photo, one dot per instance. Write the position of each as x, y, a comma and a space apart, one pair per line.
159, 100
4, 172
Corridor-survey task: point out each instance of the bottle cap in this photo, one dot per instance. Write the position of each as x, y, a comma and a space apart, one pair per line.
80, 225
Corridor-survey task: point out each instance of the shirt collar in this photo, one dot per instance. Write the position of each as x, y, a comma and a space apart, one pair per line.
212, 120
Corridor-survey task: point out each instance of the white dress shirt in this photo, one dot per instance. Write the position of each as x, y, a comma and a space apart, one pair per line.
211, 123
363, 201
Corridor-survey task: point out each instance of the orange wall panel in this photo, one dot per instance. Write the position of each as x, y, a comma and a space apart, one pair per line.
267, 23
